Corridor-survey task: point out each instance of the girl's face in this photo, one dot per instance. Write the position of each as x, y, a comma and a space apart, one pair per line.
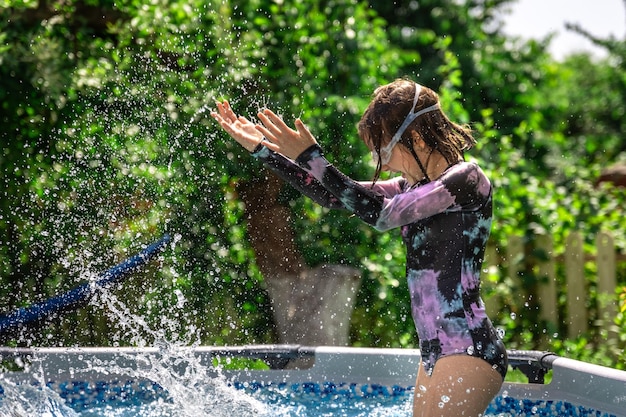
401, 161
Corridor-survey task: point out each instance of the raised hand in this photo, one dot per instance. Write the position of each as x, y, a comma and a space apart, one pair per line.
240, 128
281, 138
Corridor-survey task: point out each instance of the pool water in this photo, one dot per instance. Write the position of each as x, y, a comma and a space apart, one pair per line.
127, 398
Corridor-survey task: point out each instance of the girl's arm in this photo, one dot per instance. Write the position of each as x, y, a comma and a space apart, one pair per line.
247, 135
387, 208
300, 179
383, 210
308, 185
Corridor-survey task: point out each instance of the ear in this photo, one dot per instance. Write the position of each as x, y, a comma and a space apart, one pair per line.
417, 140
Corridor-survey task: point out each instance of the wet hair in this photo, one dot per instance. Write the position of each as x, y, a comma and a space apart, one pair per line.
389, 107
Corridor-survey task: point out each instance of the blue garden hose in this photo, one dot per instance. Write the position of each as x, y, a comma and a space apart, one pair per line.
79, 296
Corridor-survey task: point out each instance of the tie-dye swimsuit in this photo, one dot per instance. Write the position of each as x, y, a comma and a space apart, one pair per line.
445, 225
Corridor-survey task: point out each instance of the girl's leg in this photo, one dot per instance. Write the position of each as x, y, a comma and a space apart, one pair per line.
460, 385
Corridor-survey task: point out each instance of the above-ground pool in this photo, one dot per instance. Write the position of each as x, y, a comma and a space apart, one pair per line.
276, 381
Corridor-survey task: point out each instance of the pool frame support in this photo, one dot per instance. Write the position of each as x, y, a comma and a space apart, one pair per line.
535, 365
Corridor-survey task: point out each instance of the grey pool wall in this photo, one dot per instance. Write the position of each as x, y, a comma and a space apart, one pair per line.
591, 386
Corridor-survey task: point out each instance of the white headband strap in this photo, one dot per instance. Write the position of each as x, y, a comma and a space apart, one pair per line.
385, 152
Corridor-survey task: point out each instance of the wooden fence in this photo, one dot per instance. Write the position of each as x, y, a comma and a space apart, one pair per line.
560, 282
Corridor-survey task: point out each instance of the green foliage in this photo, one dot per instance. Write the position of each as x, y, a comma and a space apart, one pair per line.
107, 144
134, 154
240, 364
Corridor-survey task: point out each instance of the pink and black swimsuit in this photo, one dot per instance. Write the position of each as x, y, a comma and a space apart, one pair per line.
445, 225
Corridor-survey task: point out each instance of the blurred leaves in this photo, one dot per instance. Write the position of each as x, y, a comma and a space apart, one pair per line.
107, 144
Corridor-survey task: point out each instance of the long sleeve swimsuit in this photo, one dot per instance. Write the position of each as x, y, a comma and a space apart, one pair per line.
445, 225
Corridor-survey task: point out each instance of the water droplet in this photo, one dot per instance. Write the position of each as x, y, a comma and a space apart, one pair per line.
422, 388
470, 350
513, 316
460, 379
445, 399
441, 405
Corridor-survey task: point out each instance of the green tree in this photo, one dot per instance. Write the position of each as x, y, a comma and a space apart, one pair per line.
134, 153
107, 144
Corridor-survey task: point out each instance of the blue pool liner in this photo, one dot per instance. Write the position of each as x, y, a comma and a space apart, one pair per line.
83, 395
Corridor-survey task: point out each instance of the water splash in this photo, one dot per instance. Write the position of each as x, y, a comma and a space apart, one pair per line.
176, 144
25, 400
192, 388
189, 387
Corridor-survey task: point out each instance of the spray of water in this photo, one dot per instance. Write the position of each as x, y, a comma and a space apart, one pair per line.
192, 388
30, 400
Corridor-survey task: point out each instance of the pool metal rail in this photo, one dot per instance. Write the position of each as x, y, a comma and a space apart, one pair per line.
579, 383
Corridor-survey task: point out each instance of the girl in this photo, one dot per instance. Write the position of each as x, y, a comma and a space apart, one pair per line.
442, 205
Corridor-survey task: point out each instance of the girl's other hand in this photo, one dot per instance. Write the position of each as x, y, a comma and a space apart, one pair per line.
281, 138
238, 127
